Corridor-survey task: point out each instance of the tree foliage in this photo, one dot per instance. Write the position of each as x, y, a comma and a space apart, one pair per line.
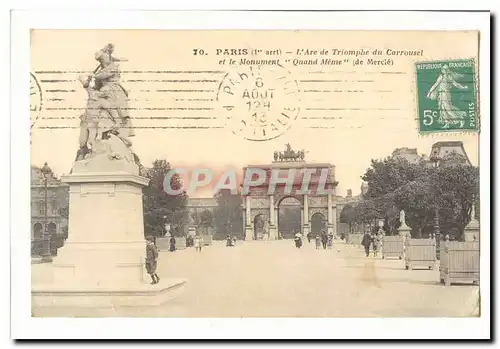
420, 190
204, 218
227, 215
160, 207
385, 176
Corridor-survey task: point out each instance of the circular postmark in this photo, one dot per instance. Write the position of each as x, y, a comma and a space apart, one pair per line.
259, 102
35, 100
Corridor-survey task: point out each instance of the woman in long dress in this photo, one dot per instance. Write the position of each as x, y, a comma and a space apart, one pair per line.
441, 92
298, 240
198, 243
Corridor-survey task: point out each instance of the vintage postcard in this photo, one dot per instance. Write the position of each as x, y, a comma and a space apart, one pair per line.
255, 173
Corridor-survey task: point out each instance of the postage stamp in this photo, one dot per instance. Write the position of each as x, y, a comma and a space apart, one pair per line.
447, 98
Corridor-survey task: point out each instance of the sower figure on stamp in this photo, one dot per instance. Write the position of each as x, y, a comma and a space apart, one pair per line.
152, 259
441, 91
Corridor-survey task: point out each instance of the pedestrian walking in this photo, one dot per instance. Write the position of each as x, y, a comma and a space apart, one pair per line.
298, 240
366, 242
309, 236
330, 241
375, 244
318, 241
229, 241
324, 239
198, 243
380, 237
172, 244
152, 259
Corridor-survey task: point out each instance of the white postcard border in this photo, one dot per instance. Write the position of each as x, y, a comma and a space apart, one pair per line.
24, 326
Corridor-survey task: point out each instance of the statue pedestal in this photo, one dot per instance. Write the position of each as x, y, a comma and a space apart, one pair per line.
405, 232
102, 262
305, 230
248, 233
471, 231
329, 229
273, 232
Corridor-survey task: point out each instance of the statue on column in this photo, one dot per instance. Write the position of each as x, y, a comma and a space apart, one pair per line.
105, 127
404, 230
402, 219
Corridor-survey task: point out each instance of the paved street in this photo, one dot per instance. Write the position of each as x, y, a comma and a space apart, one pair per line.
274, 279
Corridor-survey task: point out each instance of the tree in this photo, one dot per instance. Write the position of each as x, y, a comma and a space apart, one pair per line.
160, 207
418, 201
385, 176
227, 215
366, 212
204, 218
456, 188
347, 215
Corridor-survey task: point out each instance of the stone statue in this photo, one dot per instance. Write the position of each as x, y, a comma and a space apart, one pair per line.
402, 219
289, 154
105, 127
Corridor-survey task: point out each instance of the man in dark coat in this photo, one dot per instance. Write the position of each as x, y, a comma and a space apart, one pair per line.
172, 244
324, 239
152, 259
366, 242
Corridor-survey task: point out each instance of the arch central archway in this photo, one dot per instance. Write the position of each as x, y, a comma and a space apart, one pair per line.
259, 227
318, 223
289, 216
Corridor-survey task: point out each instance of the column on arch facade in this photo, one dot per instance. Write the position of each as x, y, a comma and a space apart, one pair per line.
248, 219
305, 216
330, 226
273, 235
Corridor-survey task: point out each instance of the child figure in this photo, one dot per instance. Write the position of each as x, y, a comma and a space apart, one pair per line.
152, 259
89, 121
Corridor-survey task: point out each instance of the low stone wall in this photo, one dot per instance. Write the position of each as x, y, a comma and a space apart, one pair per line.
207, 240
354, 239
163, 244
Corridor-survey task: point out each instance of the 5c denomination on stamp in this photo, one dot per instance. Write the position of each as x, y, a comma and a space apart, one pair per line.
446, 93
259, 103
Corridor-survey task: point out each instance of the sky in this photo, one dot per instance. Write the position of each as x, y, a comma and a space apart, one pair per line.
346, 115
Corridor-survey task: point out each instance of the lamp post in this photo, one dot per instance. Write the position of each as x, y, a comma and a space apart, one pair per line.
46, 253
437, 234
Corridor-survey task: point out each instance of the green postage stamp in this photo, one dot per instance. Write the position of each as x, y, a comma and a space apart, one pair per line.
446, 94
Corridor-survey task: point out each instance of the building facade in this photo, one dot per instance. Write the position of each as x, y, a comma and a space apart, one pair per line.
198, 205
57, 198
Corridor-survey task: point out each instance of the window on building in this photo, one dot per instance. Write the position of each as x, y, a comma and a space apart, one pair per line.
55, 208
41, 208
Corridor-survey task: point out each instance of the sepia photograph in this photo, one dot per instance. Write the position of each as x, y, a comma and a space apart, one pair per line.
256, 173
